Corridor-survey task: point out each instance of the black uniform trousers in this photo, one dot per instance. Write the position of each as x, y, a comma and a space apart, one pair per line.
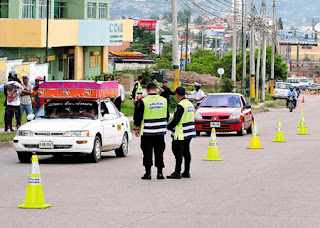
117, 102
181, 149
150, 145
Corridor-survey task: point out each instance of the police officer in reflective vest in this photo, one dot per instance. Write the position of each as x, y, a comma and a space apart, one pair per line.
183, 130
150, 119
137, 92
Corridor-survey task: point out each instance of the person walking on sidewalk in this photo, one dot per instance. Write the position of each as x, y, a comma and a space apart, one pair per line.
150, 119
183, 130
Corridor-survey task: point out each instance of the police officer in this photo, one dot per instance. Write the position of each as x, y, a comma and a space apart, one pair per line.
150, 119
137, 92
183, 130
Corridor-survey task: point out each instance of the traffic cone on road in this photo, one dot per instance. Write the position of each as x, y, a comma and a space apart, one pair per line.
279, 133
213, 151
255, 140
300, 118
303, 127
303, 101
34, 196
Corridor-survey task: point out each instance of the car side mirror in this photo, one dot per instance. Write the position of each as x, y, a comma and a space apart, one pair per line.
106, 117
30, 117
247, 106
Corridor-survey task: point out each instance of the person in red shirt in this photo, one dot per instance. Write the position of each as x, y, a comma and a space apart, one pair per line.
38, 102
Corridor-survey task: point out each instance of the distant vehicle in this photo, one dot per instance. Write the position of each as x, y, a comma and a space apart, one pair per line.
73, 126
281, 90
226, 112
300, 82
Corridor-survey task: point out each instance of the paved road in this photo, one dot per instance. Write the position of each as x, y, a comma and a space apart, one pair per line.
275, 187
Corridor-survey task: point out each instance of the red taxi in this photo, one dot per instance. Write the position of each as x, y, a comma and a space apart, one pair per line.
226, 112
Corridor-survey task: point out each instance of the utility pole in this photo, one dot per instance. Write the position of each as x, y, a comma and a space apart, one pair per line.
273, 47
47, 30
258, 66
202, 34
175, 45
187, 37
234, 44
244, 43
252, 54
216, 47
264, 53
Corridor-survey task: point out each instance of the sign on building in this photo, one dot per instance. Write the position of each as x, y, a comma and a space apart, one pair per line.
148, 24
100, 33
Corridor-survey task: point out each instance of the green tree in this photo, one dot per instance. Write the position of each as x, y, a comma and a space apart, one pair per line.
280, 23
227, 85
155, 17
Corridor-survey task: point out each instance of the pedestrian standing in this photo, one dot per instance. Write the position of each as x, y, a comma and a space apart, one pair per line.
166, 91
150, 120
13, 89
121, 97
26, 96
183, 130
38, 101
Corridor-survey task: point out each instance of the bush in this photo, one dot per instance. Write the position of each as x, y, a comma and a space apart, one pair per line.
173, 102
227, 85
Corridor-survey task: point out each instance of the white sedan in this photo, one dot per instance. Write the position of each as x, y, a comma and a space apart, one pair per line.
74, 127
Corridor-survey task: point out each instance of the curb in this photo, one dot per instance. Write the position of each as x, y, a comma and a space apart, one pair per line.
6, 144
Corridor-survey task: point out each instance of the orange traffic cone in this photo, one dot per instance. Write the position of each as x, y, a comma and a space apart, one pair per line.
213, 151
34, 196
303, 101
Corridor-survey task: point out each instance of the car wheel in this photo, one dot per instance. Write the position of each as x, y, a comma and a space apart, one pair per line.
241, 132
198, 133
24, 157
95, 156
123, 150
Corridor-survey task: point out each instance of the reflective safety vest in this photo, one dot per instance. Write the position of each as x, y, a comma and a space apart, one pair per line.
139, 92
185, 128
155, 116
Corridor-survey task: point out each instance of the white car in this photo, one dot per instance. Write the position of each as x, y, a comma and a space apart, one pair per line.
74, 127
281, 90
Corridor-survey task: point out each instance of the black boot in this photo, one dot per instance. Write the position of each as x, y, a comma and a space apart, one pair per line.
147, 175
174, 175
160, 175
185, 175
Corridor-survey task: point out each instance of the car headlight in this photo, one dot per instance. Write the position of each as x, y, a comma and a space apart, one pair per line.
235, 115
197, 115
24, 133
76, 134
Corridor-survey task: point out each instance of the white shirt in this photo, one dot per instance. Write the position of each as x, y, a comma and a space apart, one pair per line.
198, 95
121, 92
13, 92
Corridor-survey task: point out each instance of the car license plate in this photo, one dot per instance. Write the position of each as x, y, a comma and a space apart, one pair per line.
215, 124
46, 145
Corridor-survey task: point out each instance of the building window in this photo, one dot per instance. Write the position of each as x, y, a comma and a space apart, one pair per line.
60, 10
4, 6
95, 59
91, 10
102, 10
28, 9
43, 8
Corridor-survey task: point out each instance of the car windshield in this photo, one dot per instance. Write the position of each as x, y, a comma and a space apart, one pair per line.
227, 101
75, 109
282, 86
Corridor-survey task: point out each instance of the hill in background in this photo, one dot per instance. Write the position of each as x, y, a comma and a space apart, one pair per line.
303, 10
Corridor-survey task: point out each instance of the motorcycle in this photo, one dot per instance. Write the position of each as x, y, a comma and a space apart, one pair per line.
291, 104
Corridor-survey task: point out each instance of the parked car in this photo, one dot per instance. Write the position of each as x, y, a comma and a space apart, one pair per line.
281, 90
72, 126
226, 112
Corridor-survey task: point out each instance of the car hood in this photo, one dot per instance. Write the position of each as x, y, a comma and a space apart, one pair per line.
57, 125
220, 111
